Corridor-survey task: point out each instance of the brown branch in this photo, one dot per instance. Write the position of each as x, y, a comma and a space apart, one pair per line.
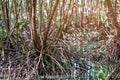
34, 34
49, 22
7, 16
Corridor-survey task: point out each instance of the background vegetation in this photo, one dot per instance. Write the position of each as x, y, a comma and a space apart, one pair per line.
71, 38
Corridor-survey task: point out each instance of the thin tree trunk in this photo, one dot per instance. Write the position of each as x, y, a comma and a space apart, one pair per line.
34, 34
7, 16
49, 22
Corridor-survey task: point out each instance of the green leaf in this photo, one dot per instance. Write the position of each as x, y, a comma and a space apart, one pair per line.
2, 34
74, 17
57, 18
102, 76
78, 5
1, 31
21, 25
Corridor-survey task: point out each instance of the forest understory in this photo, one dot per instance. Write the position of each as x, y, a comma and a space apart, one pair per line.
60, 39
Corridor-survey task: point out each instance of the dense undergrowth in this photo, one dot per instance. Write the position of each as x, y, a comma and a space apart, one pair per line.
59, 37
